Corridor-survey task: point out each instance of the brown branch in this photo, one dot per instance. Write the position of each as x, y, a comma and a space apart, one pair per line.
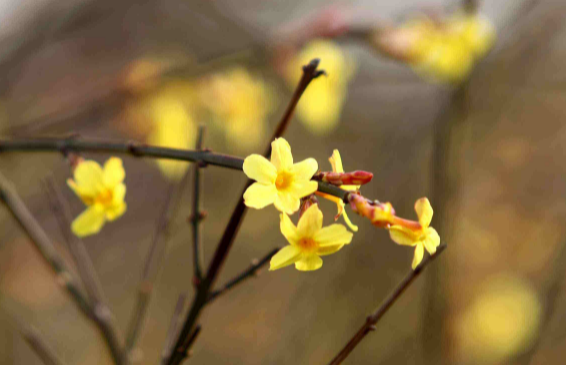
372, 320
253, 270
101, 312
173, 326
197, 216
182, 345
34, 339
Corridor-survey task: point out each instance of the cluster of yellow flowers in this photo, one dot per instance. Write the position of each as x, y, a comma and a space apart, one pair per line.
282, 183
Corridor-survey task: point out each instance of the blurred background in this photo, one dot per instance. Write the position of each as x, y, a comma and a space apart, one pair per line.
477, 130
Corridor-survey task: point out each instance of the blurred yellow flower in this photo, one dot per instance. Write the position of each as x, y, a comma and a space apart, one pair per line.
321, 104
172, 126
240, 103
102, 190
279, 182
308, 241
420, 238
336, 162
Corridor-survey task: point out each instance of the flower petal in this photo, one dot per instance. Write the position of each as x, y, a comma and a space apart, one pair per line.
419, 253
287, 202
288, 229
424, 212
309, 263
333, 234
258, 168
89, 177
336, 162
305, 169
431, 241
86, 196
286, 256
259, 196
349, 223
327, 250
281, 155
302, 189
113, 172
118, 194
89, 222
115, 211
401, 236
310, 222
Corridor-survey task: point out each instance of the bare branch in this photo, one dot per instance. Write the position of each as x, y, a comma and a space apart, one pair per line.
173, 326
197, 216
40, 346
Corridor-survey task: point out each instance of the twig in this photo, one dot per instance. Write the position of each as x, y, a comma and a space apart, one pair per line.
172, 332
249, 272
102, 315
43, 244
182, 344
197, 216
34, 339
372, 320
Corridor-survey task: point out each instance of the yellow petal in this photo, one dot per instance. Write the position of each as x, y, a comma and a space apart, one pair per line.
419, 253
281, 155
305, 169
327, 250
424, 211
311, 222
349, 223
118, 194
89, 177
113, 172
86, 195
259, 196
432, 240
333, 234
287, 202
89, 222
309, 263
288, 229
401, 236
336, 162
302, 189
286, 256
115, 211
258, 168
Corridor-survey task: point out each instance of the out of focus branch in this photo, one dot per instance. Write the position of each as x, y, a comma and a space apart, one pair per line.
102, 314
40, 347
182, 346
45, 247
253, 270
173, 325
374, 318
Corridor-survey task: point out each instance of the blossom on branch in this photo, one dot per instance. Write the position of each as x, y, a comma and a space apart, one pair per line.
308, 241
420, 236
102, 190
279, 181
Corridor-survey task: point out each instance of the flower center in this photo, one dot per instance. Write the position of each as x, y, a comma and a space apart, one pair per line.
284, 180
308, 244
105, 197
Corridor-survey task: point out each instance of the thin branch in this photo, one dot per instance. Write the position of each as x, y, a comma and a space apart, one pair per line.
173, 326
197, 216
253, 270
372, 320
34, 339
182, 345
102, 314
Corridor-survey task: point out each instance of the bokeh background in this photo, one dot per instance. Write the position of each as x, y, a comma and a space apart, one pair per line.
487, 152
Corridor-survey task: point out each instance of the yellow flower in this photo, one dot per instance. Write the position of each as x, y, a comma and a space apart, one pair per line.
102, 190
279, 182
321, 104
422, 237
308, 241
336, 162
240, 103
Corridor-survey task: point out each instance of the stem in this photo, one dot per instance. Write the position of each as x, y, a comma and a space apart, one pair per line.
102, 314
372, 320
173, 328
249, 272
182, 345
32, 336
197, 215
